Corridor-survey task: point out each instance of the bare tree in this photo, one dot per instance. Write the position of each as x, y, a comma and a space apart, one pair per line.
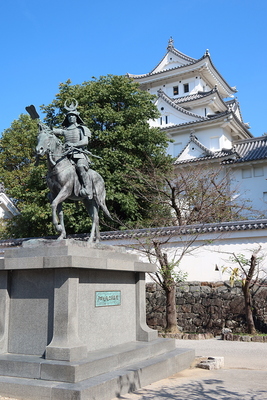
168, 272
192, 196
198, 194
249, 273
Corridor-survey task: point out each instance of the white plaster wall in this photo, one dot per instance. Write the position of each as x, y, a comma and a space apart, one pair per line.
207, 263
190, 152
175, 117
195, 84
169, 61
252, 187
202, 263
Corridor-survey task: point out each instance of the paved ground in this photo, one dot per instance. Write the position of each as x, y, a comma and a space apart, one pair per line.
244, 376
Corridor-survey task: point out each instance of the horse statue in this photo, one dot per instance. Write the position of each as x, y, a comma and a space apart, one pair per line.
64, 183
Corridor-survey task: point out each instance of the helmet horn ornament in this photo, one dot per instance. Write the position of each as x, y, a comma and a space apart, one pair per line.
71, 105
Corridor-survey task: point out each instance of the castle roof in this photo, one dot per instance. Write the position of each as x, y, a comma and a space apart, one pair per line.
175, 63
227, 116
250, 150
172, 103
196, 99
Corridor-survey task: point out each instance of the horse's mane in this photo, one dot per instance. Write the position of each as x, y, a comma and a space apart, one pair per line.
58, 140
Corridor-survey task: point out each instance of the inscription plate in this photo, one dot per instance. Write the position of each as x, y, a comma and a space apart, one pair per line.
112, 298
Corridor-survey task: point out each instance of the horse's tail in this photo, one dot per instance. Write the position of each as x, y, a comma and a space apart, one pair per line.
105, 209
101, 201
99, 192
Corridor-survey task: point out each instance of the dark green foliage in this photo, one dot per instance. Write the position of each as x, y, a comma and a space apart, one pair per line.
24, 183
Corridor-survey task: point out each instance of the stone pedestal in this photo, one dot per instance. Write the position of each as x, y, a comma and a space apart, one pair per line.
73, 323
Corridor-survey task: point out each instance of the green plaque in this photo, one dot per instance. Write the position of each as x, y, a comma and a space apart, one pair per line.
112, 298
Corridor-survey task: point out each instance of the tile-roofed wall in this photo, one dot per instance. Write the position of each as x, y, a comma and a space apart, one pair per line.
232, 226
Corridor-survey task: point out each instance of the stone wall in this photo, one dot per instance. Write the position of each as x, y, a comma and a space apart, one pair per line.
207, 307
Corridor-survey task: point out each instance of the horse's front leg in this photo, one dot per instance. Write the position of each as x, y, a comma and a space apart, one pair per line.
57, 214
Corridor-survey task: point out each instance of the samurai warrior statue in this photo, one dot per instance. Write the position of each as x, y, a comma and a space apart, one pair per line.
76, 137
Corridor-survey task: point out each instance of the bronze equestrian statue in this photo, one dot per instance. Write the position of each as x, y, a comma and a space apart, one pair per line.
69, 174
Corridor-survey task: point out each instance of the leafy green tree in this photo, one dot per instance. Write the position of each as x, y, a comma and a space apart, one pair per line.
117, 113
23, 181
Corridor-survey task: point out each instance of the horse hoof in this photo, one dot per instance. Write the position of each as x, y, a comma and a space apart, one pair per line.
61, 237
59, 228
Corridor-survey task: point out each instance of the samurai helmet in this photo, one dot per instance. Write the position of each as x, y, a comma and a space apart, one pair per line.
71, 106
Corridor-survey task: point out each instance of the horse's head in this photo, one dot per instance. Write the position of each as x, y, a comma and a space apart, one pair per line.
47, 142
43, 143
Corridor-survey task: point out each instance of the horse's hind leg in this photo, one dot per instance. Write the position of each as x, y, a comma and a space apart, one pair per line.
92, 210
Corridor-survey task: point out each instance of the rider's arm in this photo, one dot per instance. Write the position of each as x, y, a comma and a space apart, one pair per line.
83, 142
58, 132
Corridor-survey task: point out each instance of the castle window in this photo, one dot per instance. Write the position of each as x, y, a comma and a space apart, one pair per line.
258, 171
175, 90
166, 119
246, 173
186, 87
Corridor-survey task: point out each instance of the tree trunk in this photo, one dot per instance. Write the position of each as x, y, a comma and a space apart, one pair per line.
168, 284
171, 314
247, 294
248, 310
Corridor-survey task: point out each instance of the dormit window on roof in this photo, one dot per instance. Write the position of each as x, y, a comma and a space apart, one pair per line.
243, 151
195, 151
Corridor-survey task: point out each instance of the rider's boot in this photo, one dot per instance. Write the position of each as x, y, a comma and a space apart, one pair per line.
87, 189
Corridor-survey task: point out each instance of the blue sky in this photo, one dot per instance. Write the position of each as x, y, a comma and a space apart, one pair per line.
47, 42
